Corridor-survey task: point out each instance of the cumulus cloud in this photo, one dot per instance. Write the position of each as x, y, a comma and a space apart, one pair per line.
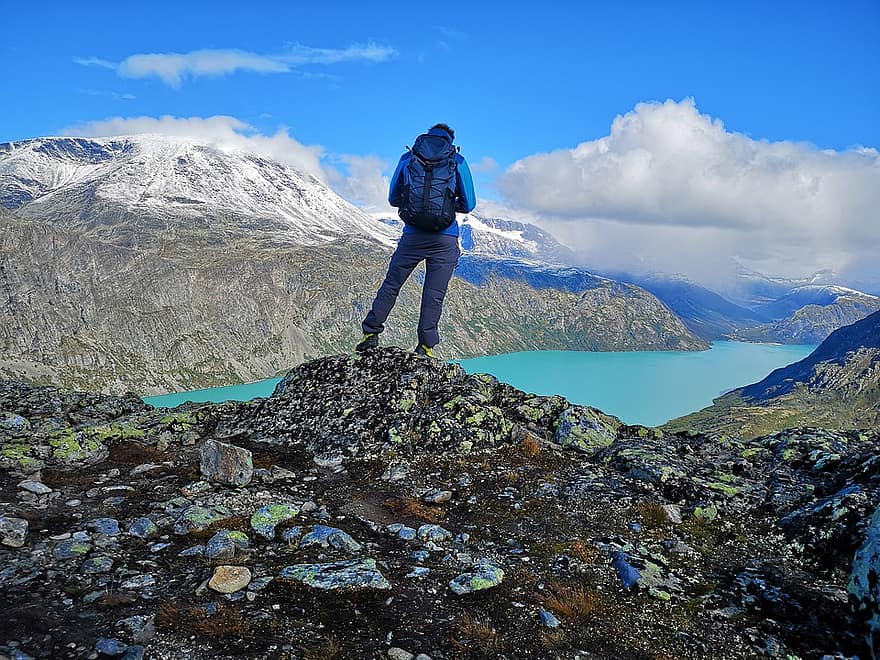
220, 131
485, 164
672, 189
174, 68
364, 183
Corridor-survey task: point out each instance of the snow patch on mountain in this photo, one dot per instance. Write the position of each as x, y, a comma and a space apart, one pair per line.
180, 178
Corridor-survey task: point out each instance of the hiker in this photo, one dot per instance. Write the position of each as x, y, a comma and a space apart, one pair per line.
432, 181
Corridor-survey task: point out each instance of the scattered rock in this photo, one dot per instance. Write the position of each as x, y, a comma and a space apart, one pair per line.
229, 579
266, 518
196, 518
864, 583
13, 531
35, 487
325, 537
143, 528
111, 648
433, 533
225, 543
437, 496
226, 464
350, 574
483, 576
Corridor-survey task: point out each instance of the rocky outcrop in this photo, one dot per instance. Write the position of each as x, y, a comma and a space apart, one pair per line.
399, 506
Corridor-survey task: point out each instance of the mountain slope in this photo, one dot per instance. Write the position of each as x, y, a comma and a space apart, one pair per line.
809, 314
837, 385
707, 314
111, 279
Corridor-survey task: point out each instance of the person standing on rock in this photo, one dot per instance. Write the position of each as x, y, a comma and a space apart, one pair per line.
431, 183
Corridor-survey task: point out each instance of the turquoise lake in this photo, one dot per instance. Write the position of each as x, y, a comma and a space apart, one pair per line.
641, 387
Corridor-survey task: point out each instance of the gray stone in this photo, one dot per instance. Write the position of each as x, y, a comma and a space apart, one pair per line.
673, 513
396, 653
98, 564
267, 517
106, 526
134, 652
140, 627
483, 576
138, 582
330, 537
585, 429
292, 534
437, 496
35, 487
226, 464
350, 574
548, 620
194, 551
110, 647
70, 549
143, 528
13, 531
195, 518
864, 583
434, 533
14, 425
225, 543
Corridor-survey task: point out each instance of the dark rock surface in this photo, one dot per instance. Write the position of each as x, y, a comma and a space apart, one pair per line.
400, 507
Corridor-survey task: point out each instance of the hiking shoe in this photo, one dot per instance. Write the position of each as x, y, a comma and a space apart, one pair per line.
427, 351
370, 340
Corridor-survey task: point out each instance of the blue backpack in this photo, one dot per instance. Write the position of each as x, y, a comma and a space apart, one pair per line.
429, 184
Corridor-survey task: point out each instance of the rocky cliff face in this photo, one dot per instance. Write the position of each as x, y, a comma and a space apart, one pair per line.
155, 265
837, 385
385, 504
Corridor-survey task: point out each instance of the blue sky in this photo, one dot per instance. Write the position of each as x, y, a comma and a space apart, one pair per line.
515, 80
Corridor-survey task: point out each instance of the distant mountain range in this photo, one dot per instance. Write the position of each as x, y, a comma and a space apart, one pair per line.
156, 264
837, 385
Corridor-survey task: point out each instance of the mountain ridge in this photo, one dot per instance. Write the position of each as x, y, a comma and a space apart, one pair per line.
125, 296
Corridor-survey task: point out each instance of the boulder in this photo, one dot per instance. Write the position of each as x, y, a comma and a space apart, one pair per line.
226, 464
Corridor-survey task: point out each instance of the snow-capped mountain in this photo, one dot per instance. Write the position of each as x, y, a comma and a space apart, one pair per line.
156, 264
178, 179
814, 294
501, 238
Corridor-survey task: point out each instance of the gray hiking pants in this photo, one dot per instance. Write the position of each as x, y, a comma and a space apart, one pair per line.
440, 253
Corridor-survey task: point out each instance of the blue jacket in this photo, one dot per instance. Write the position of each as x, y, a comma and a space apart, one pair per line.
466, 198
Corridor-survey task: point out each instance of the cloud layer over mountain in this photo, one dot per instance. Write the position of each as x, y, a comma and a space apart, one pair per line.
672, 189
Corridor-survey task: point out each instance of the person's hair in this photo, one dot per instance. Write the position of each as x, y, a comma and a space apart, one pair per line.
446, 128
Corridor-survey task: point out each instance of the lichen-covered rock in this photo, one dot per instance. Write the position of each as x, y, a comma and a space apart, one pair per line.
226, 464
864, 583
266, 518
433, 533
225, 543
13, 531
143, 528
350, 574
197, 518
585, 429
483, 575
330, 537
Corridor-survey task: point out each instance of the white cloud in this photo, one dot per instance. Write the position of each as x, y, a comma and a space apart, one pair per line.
174, 68
220, 131
364, 184
485, 164
672, 189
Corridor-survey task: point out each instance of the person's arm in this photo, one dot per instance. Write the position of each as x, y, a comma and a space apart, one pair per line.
395, 190
464, 185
